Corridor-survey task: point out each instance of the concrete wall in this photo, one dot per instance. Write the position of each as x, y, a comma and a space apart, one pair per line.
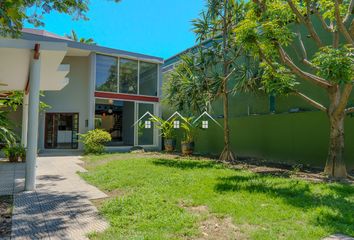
71, 99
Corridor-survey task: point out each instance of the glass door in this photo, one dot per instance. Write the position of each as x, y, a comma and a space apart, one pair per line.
61, 130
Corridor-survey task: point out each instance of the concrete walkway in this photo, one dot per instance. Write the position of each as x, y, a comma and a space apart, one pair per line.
60, 208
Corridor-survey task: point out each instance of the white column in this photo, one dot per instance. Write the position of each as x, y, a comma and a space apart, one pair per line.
32, 135
91, 96
24, 120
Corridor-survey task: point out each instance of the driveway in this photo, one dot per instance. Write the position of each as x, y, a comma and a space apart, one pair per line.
60, 208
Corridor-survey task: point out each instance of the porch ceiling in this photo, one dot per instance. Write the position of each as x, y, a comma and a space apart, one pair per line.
15, 57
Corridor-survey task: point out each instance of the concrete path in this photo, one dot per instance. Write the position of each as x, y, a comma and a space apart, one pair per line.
60, 208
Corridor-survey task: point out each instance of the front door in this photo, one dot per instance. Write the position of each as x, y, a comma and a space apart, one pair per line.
61, 130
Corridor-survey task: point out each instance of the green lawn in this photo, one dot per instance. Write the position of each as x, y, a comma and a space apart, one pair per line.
150, 196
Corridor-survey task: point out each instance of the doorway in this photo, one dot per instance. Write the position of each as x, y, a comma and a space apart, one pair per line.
61, 130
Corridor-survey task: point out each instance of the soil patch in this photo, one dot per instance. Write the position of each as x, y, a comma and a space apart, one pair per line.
5, 216
213, 227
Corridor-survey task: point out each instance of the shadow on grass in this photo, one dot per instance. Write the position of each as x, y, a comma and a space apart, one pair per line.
332, 205
191, 164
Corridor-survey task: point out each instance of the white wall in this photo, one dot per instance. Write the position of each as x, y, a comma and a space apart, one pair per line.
71, 99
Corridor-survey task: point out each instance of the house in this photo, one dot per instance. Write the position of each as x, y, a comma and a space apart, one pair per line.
107, 88
86, 87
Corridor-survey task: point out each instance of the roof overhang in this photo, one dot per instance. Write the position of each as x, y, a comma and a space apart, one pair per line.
15, 60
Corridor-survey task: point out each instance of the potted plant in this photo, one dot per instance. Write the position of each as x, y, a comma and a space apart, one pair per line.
14, 152
167, 132
22, 153
190, 131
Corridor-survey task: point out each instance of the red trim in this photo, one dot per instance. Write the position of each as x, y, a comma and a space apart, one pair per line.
126, 97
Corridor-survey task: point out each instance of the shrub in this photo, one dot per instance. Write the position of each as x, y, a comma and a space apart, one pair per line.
13, 152
94, 141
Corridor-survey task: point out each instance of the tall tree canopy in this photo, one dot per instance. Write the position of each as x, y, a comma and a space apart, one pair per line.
272, 30
13, 13
218, 67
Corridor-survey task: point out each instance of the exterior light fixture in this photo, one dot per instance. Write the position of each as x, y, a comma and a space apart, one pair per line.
147, 124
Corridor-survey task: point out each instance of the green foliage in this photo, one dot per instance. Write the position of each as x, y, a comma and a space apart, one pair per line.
156, 193
336, 65
15, 99
190, 130
278, 81
165, 126
73, 36
15, 151
6, 134
94, 141
187, 88
13, 13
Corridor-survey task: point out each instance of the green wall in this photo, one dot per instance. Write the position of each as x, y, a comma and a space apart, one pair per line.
300, 137
289, 137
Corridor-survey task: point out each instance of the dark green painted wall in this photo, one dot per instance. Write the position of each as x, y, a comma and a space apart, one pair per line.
300, 137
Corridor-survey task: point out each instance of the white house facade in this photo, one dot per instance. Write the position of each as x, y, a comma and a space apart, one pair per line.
107, 88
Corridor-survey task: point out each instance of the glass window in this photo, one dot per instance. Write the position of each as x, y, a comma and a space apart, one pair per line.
128, 76
106, 73
148, 79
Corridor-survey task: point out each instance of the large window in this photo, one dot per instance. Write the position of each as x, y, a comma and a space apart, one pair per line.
148, 79
106, 73
131, 79
128, 76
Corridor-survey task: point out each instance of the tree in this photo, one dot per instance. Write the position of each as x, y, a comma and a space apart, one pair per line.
73, 36
271, 30
14, 13
217, 69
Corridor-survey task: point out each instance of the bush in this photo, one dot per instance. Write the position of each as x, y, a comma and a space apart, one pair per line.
13, 152
94, 141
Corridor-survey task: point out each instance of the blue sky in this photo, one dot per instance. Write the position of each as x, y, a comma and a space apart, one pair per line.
156, 27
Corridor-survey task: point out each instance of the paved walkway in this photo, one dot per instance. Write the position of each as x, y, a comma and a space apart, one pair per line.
60, 208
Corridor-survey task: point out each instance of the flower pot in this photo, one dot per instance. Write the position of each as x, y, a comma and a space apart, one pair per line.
13, 158
187, 148
170, 145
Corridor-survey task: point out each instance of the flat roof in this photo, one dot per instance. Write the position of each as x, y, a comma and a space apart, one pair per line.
42, 35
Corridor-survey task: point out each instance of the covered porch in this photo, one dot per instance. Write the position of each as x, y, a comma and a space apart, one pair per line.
31, 66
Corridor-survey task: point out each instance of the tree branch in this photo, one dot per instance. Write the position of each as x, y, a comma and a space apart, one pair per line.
344, 98
307, 22
304, 58
311, 101
304, 75
323, 22
351, 29
340, 24
349, 12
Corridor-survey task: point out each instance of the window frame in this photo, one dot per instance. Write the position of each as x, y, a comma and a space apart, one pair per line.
118, 57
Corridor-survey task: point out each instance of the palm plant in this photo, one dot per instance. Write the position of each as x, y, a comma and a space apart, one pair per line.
7, 136
167, 132
219, 67
189, 134
73, 36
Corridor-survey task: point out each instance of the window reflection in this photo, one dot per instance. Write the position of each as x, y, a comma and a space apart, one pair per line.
106, 73
128, 76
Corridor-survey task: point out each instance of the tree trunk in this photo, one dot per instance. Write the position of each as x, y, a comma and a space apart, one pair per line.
335, 166
227, 154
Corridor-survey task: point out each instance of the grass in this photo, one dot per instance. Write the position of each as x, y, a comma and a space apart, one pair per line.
147, 191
